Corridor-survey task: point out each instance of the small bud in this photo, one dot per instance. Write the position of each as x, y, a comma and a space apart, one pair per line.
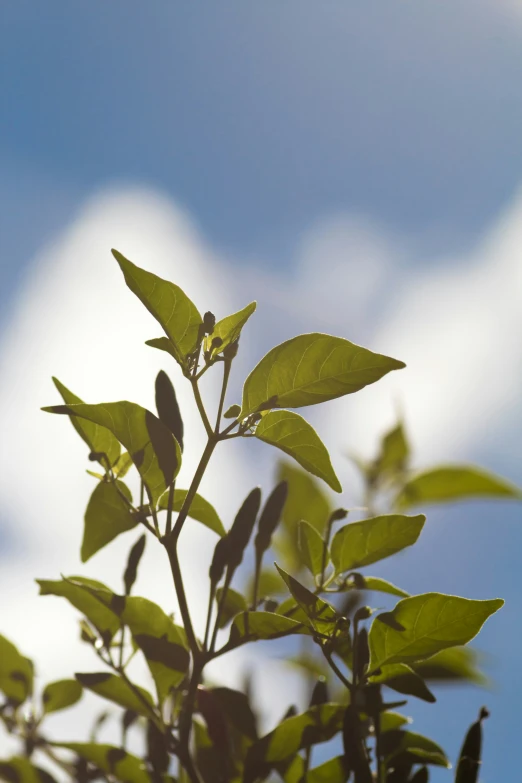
217, 342
209, 322
231, 350
339, 513
362, 614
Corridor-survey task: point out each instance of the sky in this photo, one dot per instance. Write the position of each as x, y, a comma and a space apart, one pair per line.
356, 169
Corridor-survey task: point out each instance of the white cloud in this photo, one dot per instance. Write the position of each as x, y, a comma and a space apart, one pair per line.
456, 323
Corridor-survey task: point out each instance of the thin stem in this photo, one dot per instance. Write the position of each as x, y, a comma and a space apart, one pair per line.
325, 548
168, 528
378, 749
226, 375
221, 605
185, 724
336, 669
211, 596
257, 574
135, 511
201, 407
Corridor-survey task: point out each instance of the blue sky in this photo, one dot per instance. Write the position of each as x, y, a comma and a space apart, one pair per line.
354, 166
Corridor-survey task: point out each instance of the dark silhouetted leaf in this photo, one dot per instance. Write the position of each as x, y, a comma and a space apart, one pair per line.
361, 543
293, 435
355, 757
421, 776
403, 679
20, 770
270, 518
169, 305
232, 412
16, 672
60, 695
312, 368
319, 693
99, 439
115, 689
157, 750
450, 483
200, 509
131, 571
237, 709
241, 530
153, 448
469, 762
431, 623
106, 517
167, 406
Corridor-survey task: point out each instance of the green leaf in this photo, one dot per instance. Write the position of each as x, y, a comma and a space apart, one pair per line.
450, 483
164, 344
431, 622
293, 435
99, 439
153, 448
333, 771
133, 561
456, 664
20, 770
309, 369
115, 689
60, 695
393, 720
375, 584
318, 724
107, 515
111, 759
200, 510
311, 546
323, 617
229, 329
163, 643
270, 585
169, 305
306, 499
362, 543
401, 678
74, 589
406, 745
253, 626
234, 604
122, 465
16, 672
395, 451
232, 412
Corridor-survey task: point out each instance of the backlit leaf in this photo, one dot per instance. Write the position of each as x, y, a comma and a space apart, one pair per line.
361, 543
169, 305
234, 604
167, 406
60, 695
309, 369
376, 584
400, 744
153, 448
200, 509
113, 760
293, 435
107, 515
99, 439
311, 546
322, 616
450, 483
431, 622
16, 672
229, 329
74, 590
393, 720
333, 771
253, 626
395, 451
456, 664
115, 689
19, 769
122, 465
